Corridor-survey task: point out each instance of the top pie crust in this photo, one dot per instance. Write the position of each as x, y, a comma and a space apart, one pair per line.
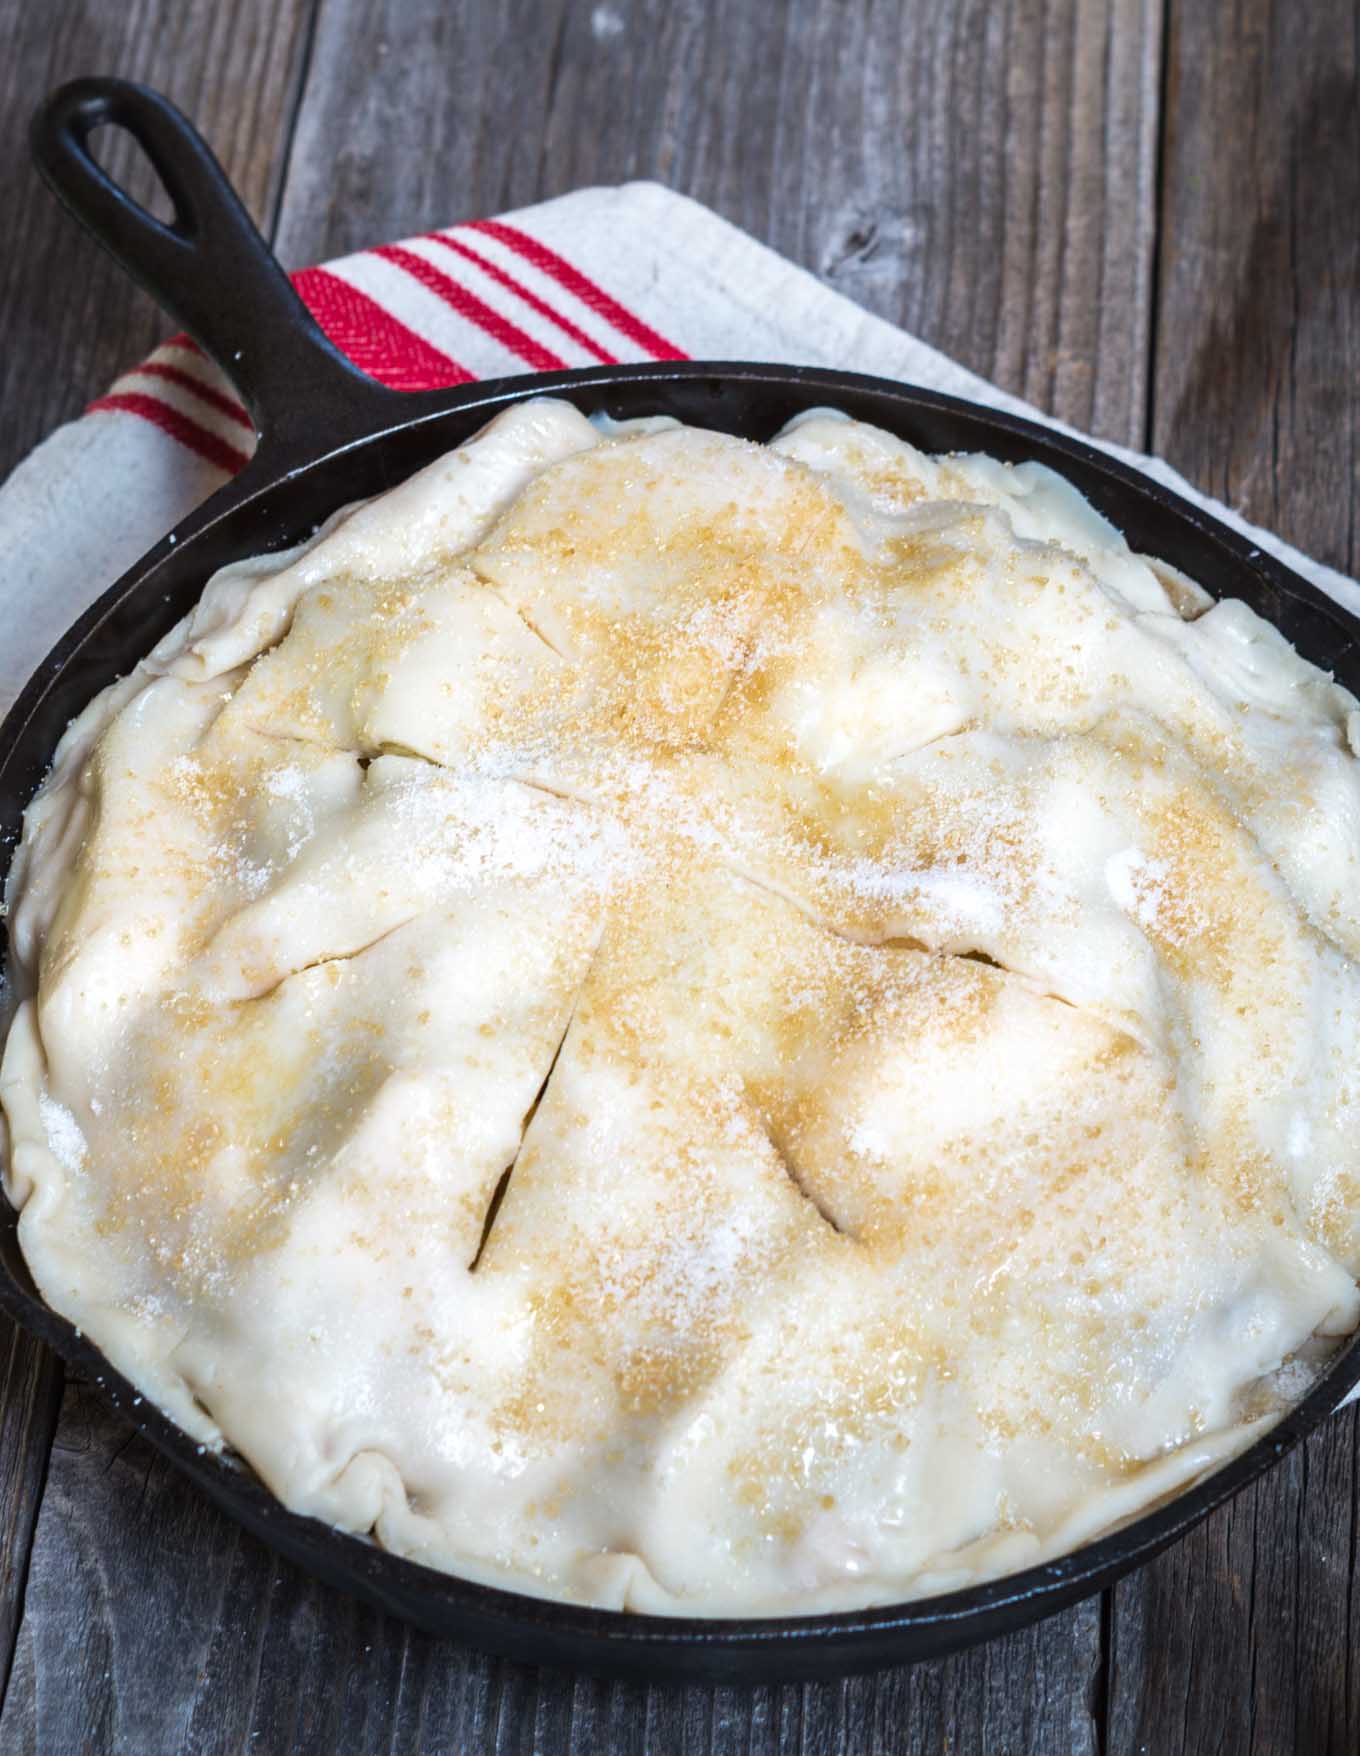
879, 954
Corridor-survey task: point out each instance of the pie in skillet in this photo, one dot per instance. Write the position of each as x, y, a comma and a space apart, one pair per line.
702, 1027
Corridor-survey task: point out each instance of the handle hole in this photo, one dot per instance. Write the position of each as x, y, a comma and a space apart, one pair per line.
124, 162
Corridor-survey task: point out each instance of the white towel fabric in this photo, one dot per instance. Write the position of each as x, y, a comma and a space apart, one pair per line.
630, 273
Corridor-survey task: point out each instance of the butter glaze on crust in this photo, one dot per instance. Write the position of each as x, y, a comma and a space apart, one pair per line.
699, 1027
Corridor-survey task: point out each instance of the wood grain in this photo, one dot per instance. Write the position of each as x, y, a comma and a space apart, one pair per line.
71, 320
981, 172
1241, 1638
986, 174
30, 1392
153, 1624
1258, 319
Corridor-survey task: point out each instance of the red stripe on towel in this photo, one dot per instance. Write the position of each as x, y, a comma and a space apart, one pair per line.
530, 298
178, 426
372, 338
592, 296
468, 305
226, 405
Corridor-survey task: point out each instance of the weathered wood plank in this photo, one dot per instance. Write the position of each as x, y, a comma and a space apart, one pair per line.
30, 1392
982, 173
1258, 320
71, 320
1240, 1639
153, 1624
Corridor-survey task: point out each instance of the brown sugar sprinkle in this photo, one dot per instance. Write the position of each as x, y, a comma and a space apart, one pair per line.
824, 1086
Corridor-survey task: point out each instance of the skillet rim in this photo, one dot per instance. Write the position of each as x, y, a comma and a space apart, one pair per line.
549, 1630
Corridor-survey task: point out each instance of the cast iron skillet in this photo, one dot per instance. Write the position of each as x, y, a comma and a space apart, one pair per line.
328, 434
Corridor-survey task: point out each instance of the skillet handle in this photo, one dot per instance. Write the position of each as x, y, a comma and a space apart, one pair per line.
209, 268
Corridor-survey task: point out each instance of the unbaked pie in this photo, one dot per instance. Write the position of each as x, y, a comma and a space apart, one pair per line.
702, 1027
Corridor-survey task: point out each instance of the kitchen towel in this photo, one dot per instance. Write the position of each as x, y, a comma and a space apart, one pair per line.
630, 273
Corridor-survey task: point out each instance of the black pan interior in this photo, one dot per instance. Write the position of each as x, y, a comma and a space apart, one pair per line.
255, 514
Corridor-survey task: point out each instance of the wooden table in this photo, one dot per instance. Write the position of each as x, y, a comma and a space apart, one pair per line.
1142, 214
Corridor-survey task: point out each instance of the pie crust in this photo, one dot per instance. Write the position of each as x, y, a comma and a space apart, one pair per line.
701, 1027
